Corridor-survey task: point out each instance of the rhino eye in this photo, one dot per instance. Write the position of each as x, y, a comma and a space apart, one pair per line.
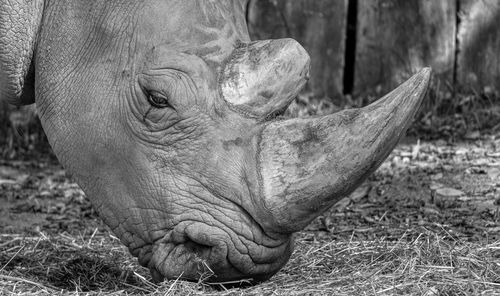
158, 100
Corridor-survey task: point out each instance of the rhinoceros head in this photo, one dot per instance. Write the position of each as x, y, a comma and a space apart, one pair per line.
165, 113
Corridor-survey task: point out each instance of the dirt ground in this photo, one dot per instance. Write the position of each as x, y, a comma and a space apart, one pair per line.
51, 240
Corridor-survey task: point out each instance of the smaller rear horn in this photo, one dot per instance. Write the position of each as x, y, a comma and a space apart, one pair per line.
262, 78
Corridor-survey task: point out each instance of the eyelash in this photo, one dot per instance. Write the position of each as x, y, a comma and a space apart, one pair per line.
158, 101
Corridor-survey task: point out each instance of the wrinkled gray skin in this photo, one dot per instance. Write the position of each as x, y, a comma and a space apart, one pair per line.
163, 111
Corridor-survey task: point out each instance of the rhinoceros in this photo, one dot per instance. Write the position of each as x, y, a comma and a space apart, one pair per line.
165, 113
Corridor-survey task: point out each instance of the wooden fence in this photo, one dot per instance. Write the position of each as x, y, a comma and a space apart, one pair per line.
367, 47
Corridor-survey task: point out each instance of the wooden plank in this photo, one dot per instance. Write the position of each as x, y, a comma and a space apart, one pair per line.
478, 61
319, 25
395, 38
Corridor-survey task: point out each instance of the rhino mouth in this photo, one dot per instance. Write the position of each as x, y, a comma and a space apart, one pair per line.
186, 260
204, 253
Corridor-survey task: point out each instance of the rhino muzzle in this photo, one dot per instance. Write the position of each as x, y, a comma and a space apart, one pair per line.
198, 251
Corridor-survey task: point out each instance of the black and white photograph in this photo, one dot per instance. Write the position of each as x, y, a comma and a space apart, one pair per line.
250, 147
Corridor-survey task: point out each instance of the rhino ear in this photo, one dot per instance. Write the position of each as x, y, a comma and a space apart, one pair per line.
19, 25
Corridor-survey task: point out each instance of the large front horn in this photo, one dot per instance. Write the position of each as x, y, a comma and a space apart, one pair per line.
307, 165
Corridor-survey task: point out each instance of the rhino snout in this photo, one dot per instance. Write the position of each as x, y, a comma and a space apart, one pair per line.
195, 250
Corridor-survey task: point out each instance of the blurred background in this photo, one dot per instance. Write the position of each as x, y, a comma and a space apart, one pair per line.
360, 50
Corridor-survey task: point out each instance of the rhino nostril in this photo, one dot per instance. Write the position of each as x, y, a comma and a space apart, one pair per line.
156, 275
